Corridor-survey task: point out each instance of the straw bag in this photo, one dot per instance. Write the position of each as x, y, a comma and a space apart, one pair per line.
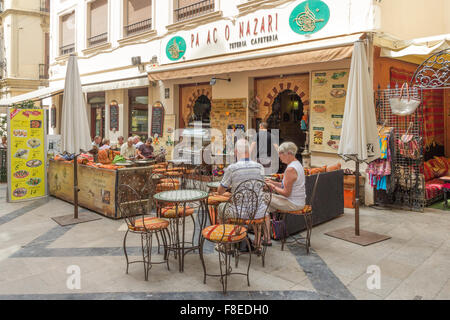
404, 106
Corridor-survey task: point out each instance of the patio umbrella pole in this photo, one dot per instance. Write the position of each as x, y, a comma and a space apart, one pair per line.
357, 199
75, 187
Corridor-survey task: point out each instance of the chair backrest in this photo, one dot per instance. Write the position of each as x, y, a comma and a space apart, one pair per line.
251, 199
149, 190
313, 195
130, 204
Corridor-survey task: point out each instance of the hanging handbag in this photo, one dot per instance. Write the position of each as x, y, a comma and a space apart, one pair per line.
409, 147
404, 106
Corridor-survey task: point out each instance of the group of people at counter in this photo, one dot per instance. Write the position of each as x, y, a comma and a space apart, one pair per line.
134, 148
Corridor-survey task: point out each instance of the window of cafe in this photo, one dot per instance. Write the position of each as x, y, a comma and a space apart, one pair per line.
97, 103
138, 114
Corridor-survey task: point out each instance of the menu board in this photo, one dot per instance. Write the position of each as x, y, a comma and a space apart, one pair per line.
114, 117
157, 119
328, 93
27, 154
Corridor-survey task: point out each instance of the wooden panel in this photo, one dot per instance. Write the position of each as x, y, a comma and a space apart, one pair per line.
97, 186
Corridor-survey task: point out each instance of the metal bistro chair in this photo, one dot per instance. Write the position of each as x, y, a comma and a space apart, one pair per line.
260, 203
306, 212
132, 209
230, 233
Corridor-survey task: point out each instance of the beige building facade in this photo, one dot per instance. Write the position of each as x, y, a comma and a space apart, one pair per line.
24, 56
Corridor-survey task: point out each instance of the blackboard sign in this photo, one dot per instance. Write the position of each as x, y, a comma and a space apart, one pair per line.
157, 119
114, 116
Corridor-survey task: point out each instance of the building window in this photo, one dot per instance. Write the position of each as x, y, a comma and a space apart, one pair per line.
188, 9
97, 103
67, 38
138, 114
138, 16
98, 22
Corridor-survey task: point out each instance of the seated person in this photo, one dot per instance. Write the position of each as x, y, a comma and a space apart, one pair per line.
128, 150
243, 170
290, 194
97, 141
145, 151
105, 144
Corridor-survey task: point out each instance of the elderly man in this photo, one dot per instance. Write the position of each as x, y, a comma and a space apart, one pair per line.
97, 141
243, 170
137, 142
128, 150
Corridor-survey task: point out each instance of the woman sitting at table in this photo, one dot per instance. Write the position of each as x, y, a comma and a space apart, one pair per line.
290, 194
145, 151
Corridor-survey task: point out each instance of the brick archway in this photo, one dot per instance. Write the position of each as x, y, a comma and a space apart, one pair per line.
188, 97
276, 90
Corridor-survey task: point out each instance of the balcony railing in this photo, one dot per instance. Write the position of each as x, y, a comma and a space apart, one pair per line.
96, 40
138, 27
194, 10
67, 49
43, 71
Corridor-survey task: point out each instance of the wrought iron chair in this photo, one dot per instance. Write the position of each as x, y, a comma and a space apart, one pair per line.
306, 212
134, 211
237, 214
261, 203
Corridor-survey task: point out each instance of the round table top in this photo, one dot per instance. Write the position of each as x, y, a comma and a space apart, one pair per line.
181, 195
213, 185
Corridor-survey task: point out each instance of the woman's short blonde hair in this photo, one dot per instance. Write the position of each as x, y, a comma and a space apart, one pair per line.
288, 147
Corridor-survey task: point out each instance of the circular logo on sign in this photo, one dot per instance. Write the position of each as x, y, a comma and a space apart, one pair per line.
176, 48
309, 17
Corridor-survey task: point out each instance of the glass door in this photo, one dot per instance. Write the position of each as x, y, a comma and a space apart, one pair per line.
138, 116
97, 120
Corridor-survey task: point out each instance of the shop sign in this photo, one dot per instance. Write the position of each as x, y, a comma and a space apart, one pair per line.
309, 17
27, 150
176, 48
157, 119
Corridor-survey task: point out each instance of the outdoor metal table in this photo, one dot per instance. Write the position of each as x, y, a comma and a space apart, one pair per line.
177, 199
213, 186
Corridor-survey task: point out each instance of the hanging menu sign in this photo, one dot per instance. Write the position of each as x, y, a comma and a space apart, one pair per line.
157, 119
114, 117
328, 93
27, 173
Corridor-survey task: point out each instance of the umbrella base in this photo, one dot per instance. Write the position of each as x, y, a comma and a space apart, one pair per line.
82, 217
365, 238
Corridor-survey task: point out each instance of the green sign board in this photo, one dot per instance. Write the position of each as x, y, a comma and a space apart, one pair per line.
176, 48
309, 17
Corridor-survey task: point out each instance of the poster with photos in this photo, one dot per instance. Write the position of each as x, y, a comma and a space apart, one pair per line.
328, 94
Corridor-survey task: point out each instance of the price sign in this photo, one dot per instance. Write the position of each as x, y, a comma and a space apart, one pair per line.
27, 173
114, 116
157, 119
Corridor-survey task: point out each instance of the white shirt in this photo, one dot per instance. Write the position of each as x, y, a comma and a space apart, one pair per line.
298, 194
137, 145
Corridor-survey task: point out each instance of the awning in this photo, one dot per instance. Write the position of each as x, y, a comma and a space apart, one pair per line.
34, 95
417, 50
88, 87
324, 50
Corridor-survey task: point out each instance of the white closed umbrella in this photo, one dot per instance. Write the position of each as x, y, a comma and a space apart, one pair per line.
74, 123
75, 133
359, 135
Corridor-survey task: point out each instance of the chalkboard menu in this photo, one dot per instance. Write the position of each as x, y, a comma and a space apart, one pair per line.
157, 119
114, 116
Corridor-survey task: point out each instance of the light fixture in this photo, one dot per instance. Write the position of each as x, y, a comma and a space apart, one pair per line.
214, 80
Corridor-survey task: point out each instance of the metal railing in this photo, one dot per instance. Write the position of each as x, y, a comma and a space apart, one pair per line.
95, 40
43, 71
67, 49
138, 27
194, 10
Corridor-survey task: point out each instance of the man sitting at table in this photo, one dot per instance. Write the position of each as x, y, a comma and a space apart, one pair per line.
243, 170
145, 151
128, 150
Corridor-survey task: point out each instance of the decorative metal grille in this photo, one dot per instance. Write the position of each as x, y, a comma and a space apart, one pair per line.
407, 182
434, 73
194, 10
